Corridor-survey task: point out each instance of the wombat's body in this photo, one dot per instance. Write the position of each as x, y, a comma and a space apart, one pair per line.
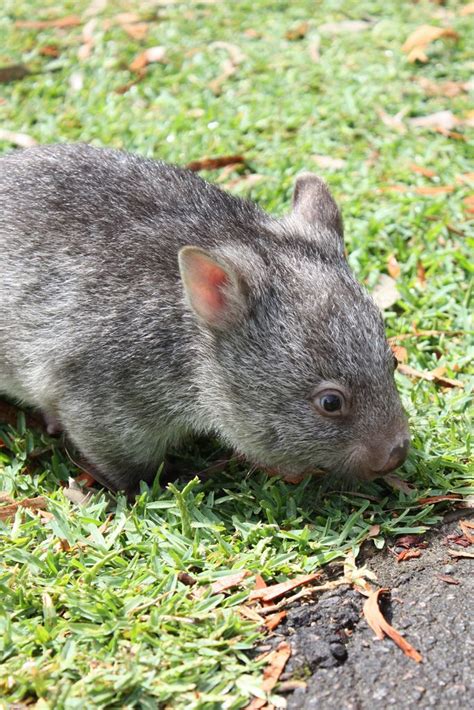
131, 342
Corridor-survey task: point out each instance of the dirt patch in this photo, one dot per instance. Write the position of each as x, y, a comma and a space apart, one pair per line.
344, 666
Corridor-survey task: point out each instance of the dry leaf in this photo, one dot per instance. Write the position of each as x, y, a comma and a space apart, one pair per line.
49, 50
297, 32
267, 594
136, 30
251, 614
466, 526
419, 40
448, 89
14, 72
326, 161
393, 267
313, 50
22, 140
214, 163
433, 376
465, 178
187, 579
448, 579
420, 170
421, 274
453, 553
85, 49
440, 120
260, 582
408, 541
229, 66
400, 353
276, 662
408, 554
398, 483
438, 499
244, 181
385, 292
230, 580
274, 620
374, 531
60, 22
345, 26
75, 493
395, 122
381, 627
467, 9
149, 56
469, 204
35, 504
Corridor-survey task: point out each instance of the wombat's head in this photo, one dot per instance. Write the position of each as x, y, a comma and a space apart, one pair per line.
296, 372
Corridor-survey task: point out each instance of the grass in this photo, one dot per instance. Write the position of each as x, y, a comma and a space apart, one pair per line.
93, 613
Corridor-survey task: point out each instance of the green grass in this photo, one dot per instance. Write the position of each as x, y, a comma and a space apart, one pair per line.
95, 616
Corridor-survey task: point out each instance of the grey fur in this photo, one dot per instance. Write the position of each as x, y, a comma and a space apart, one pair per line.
97, 331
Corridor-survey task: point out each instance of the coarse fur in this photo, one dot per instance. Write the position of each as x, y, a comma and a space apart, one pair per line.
100, 330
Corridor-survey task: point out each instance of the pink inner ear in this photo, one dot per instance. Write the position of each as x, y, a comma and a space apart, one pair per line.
209, 289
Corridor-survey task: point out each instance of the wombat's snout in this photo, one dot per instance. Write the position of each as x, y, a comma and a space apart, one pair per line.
396, 457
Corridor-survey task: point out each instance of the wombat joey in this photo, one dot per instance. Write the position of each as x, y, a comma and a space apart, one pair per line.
140, 304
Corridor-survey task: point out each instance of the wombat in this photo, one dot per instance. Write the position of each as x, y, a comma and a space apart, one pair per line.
140, 304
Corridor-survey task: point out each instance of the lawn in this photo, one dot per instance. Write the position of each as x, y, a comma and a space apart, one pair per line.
96, 611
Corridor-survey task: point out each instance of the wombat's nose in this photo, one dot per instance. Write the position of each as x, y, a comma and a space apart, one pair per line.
397, 456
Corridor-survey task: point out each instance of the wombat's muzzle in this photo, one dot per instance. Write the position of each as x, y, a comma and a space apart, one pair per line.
395, 459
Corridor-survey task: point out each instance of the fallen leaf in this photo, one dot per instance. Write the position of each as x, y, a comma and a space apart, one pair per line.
313, 50
381, 627
13, 72
60, 22
420, 170
448, 89
393, 267
278, 590
251, 614
449, 580
385, 292
86, 479
22, 140
458, 539
408, 555
244, 181
398, 483
274, 620
35, 504
418, 41
400, 353
453, 553
440, 119
466, 526
187, 579
467, 9
395, 122
326, 161
49, 50
276, 662
260, 582
465, 178
469, 204
421, 273
429, 376
433, 189
410, 541
135, 30
297, 32
230, 580
438, 499
229, 66
345, 26
215, 163
85, 49
76, 493
149, 56
374, 531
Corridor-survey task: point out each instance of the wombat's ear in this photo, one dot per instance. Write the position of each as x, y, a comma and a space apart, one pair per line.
214, 290
313, 203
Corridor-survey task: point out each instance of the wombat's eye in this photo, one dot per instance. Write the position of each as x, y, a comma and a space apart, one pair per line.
330, 402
